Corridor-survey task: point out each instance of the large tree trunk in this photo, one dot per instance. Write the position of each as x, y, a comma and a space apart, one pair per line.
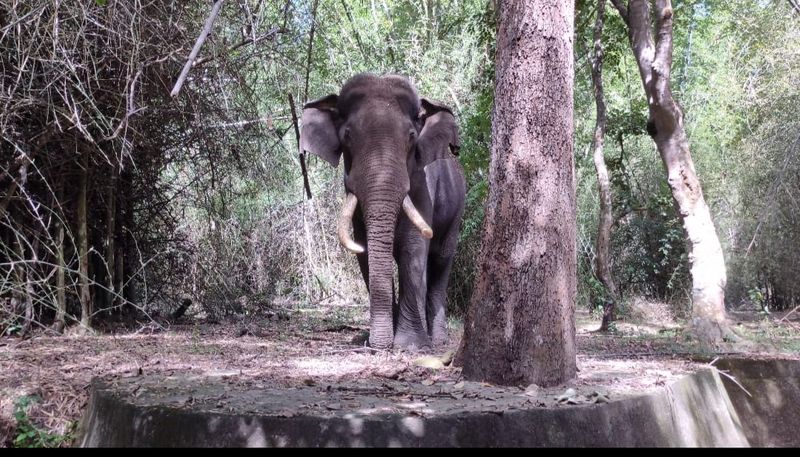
602, 259
520, 328
83, 246
666, 127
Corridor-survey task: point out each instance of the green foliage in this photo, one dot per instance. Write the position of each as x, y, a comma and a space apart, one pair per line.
756, 200
11, 329
236, 229
597, 293
476, 132
758, 299
735, 73
28, 434
464, 271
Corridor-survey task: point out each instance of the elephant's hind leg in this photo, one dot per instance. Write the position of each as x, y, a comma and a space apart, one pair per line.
439, 268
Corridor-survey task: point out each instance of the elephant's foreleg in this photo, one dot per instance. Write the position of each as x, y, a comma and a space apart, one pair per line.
411, 329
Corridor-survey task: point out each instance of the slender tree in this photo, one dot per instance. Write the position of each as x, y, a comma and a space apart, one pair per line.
665, 125
602, 260
520, 327
87, 307
61, 296
111, 219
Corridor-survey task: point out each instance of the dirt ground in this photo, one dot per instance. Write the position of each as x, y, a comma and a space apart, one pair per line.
324, 346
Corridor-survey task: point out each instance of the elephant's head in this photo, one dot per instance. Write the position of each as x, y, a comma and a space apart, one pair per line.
439, 134
373, 124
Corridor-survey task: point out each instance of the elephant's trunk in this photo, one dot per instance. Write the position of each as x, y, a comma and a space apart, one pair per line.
344, 223
380, 217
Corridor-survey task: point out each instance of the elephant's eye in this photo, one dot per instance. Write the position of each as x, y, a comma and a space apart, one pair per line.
346, 136
412, 135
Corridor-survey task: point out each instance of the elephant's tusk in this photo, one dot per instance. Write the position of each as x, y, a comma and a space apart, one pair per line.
416, 218
344, 223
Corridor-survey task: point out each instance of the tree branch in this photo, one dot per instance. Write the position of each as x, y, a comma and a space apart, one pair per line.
355, 31
250, 40
196, 49
301, 153
310, 47
623, 11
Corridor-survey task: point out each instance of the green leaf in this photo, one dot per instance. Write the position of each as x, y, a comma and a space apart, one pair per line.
101, 2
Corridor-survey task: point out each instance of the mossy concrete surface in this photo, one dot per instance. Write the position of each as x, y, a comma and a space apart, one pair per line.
702, 409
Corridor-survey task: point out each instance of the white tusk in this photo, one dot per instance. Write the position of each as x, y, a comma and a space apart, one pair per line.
344, 223
416, 218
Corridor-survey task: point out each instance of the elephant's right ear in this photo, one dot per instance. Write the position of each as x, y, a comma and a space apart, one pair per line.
319, 134
429, 107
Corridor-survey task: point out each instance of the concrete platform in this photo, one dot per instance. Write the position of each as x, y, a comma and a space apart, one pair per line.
702, 409
766, 396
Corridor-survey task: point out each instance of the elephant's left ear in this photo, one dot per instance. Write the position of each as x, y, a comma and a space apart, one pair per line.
319, 135
432, 107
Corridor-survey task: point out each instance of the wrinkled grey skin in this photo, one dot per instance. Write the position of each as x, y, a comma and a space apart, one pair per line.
395, 145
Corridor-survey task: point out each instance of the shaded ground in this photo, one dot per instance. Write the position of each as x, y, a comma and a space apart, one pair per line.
316, 348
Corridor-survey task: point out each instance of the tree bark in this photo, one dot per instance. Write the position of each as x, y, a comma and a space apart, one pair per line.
665, 126
119, 276
83, 246
23, 290
127, 256
123, 221
520, 326
61, 299
602, 259
111, 218
12, 189
29, 311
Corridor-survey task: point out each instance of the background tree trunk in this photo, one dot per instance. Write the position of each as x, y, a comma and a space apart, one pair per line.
83, 246
602, 260
665, 125
520, 326
61, 299
21, 294
111, 218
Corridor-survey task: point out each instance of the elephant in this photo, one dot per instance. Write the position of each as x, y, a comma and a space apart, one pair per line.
404, 199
